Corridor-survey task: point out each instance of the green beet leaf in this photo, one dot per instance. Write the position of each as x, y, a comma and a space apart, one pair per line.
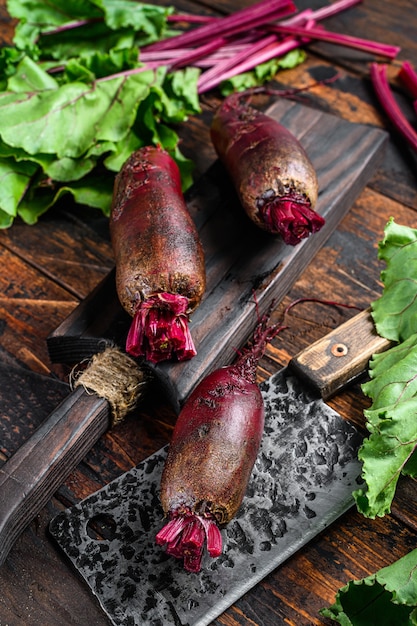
29, 77
52, 12
386, 598
61, 170
35, 16
109, 119
389, 597
100, 64
94, 190
38, 122
114, 24
383, 361
9, 59
6, 220
14, 180
393, 378
384, 455
391, 419
75, 101
79, 42
262, 72
148, 19
395, 312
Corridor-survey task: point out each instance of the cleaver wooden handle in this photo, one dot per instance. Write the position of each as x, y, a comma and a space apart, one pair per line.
341, 357
39, 467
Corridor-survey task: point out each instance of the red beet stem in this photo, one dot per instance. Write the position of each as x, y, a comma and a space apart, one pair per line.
184, 537
293, 219
408, 76
248, 17
389, 104
249, 357
321, 34
159, 329
295, 303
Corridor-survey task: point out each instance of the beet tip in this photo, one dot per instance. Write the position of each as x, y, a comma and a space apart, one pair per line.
159, 329
185, 536
291, 218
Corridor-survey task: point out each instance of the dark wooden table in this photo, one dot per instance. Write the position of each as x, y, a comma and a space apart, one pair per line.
47, 269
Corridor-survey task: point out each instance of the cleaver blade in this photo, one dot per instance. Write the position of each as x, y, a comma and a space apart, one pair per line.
303, 478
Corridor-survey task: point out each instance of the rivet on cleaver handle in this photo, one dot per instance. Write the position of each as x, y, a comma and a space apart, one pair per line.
341, 357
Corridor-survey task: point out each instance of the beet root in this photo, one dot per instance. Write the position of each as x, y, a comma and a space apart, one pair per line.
274, 178
160, 271
211, 456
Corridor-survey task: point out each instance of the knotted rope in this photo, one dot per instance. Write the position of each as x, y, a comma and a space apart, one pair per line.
115, 376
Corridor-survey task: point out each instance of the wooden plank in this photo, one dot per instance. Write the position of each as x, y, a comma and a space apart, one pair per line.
243, 263
62, 248
25, 398
38, 588
30, 305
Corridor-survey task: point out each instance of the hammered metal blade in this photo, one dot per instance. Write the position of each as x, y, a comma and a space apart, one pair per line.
302, 481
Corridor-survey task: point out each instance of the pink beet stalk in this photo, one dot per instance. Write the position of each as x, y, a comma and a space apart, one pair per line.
357, 43
211, 455
408, 76
191, 18
190, 57
206, 80
334, 8
159, 330
240, 21
390, 105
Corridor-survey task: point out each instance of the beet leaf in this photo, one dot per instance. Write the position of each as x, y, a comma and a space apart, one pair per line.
390, 449
114, 117
390, 595
387, 597
126, 72
112, 24
395, 312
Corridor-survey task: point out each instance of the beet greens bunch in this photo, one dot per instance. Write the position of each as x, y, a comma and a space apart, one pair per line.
121, 75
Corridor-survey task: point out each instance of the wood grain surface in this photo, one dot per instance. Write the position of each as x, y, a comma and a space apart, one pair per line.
49, 268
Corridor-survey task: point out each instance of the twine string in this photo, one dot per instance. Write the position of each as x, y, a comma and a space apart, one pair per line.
115, 376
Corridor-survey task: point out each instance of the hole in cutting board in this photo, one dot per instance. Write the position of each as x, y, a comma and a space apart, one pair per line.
101, 527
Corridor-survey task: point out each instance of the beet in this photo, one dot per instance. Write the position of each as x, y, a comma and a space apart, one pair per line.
160, 272
211, 455
273, 176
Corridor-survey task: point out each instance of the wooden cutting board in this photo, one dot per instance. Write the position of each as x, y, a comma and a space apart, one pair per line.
247, 268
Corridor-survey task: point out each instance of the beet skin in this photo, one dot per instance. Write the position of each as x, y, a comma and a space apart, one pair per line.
273, 176
218, 432
160, 272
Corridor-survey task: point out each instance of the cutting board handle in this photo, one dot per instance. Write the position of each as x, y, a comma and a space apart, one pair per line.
336, 360
32, 475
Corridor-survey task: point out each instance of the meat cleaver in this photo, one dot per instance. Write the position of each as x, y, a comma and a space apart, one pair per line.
242, 262
303, 479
